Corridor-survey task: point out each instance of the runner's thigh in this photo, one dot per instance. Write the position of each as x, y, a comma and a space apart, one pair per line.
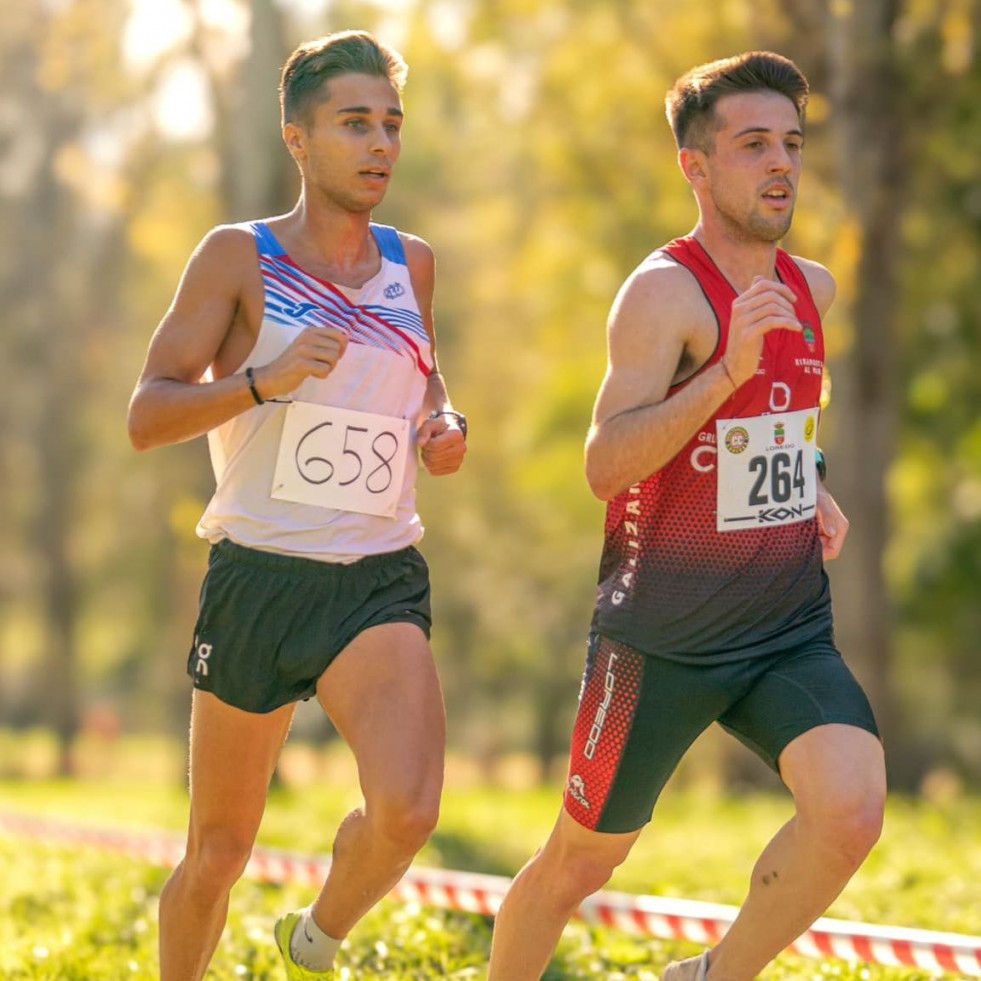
637, 717
233, 755
383, 695
808, 688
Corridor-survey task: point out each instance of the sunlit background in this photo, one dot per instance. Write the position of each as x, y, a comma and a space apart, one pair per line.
538, 163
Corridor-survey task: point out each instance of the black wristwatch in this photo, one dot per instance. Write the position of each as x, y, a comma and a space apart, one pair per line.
461, 419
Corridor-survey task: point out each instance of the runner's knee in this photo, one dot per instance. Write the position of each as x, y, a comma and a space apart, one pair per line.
575, 875
218, 860
847, 822
405, 819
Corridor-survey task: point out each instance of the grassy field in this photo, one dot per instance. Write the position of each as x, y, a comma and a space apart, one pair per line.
86, 915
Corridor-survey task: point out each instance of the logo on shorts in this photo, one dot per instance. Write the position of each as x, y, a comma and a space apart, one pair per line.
203, 652
577, 790
737, 439
609, 682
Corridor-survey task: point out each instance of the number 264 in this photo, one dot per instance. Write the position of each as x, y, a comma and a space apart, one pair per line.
777, 478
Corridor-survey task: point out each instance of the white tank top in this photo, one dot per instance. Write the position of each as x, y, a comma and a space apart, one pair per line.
384, 370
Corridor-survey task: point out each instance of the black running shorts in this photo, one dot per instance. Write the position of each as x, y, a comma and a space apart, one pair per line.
269, 625
638, 715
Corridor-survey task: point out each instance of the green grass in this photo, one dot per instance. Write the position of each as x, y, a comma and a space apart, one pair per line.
86, 915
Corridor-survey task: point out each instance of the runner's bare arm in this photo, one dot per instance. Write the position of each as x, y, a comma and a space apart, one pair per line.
214, 317
832, 524
422, 271
821, 282
440, 441
637, 428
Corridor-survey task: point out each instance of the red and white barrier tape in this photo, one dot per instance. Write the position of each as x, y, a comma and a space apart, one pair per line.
652, 916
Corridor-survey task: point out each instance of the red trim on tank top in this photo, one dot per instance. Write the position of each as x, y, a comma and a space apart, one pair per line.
362, 310
693, 256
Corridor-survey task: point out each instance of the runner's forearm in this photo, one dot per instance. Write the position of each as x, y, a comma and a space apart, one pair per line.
165, 411
630, 446
436, 397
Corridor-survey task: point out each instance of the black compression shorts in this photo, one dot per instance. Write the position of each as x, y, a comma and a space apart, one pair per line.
639, 714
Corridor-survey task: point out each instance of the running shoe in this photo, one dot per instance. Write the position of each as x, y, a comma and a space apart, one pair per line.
294, 972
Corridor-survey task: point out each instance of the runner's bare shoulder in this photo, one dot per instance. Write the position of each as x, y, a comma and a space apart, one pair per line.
226, 250
415, 247
661, 297
820, 280
219, 294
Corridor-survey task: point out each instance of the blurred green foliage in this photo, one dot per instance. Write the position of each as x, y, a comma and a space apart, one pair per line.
538, 164
85, 914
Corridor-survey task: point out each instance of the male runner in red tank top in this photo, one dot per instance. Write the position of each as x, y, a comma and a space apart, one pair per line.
713, 604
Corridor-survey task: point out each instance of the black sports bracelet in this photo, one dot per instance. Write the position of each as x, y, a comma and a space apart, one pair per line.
250, 378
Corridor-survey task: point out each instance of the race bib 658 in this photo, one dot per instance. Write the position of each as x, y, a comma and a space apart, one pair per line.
342, 459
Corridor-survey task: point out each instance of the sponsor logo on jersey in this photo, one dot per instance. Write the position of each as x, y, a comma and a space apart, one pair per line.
299, 309
631, 526
394, 290
780, 396
703, 456
808, 332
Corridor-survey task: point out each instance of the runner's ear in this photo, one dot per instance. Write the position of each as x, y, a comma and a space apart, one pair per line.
692, 164
293, 138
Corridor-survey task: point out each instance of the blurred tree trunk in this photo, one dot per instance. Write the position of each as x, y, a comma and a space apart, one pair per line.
258, 177
867, 93
59, 457
70, 316
265, 176
57, 313
52, 344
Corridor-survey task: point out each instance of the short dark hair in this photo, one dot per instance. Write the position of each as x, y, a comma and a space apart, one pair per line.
311, 65
691, 102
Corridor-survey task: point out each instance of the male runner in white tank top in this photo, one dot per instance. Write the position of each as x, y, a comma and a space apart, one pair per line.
303, 346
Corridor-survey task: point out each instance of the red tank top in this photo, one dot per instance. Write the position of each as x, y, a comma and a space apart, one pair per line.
670, 583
